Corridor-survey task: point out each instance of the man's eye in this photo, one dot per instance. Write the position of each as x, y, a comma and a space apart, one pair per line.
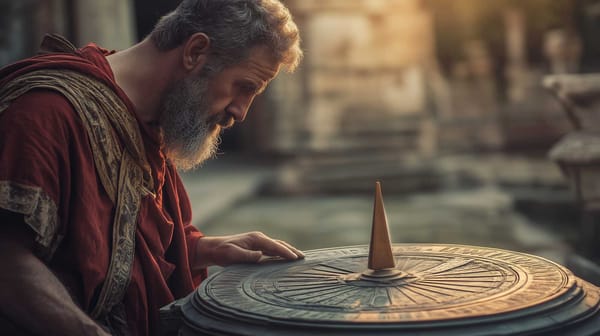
249, 88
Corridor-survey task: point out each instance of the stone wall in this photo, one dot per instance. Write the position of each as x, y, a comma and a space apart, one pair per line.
362, 83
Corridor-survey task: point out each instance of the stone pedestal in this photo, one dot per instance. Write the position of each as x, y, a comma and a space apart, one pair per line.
578, 152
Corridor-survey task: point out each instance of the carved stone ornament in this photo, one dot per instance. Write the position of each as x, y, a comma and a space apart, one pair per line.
426, 289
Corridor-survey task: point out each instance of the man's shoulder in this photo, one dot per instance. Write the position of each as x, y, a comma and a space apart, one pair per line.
40, 109
41, 102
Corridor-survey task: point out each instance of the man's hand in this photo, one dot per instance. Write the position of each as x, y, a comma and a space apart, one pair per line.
242, 248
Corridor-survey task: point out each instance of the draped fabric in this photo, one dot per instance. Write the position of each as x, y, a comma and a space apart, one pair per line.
110, 214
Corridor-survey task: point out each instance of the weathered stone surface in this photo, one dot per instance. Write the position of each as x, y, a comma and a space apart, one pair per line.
577, 148
580, 96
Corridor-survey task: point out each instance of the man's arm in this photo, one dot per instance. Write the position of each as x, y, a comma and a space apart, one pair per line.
31, 296
241, 248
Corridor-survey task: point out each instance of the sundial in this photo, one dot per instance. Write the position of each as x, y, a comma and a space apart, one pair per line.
391, 289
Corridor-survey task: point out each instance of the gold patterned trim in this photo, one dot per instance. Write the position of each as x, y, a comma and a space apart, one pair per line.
123, 170
123, 235
39, 210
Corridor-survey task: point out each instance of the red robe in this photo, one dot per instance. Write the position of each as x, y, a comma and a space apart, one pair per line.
44, 144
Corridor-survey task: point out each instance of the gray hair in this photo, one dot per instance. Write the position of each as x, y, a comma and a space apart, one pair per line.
234, 28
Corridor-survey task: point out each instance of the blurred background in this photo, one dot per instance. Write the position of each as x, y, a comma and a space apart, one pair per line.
441, 100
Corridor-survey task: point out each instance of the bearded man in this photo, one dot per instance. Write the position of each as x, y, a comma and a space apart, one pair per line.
95, 222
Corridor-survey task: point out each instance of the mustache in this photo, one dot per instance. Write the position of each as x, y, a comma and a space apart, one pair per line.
224, 120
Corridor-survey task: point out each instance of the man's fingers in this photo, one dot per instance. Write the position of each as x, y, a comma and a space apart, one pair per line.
274, 247
298, 253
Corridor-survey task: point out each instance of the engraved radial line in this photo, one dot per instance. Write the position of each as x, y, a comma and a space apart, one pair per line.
337, 302
339, 269
477, 268
448, 265
464, 267
419, 266
399, 289
457, 283
460, 276
300, 284
300, 293
445, 291
308, 288
454, 287
304, 297
304, 276
475, 272
329, 273
474, 275
290, 283
301, 279
421, 294
335, 291
300, 287
387, 291
372, 295
423, 268
334, 294
423, 287
454, 280
322, 272
309, 275
404, 262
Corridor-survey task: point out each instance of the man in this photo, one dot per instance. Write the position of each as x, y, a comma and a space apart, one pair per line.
95, 232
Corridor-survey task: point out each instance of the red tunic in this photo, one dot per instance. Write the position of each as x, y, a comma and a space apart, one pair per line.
44, 144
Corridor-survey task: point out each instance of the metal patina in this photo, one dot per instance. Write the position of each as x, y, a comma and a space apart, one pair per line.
425, 289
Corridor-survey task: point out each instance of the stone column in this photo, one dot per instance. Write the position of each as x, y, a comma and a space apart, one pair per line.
516, 55
110, 23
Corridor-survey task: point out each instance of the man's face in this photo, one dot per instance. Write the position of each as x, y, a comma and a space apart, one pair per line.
191, 133
196, 108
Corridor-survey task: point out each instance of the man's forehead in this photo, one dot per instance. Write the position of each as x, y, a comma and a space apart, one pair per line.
261, 62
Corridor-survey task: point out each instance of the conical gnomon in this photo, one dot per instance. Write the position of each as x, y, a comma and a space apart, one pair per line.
382, 264
380, 249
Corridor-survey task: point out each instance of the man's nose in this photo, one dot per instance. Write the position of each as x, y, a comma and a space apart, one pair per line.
239, 109
238, 113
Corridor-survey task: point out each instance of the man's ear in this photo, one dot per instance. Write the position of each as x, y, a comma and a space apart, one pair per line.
195, 51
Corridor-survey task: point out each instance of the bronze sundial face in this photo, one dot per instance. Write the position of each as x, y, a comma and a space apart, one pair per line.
424, 289
436, 282
433, 289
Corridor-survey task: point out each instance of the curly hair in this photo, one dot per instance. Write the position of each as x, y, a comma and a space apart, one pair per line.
234, 28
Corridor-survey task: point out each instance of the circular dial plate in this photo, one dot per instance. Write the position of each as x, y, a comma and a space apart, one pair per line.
436, 282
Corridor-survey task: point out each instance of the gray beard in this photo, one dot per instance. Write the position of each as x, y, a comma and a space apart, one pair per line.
191, 136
